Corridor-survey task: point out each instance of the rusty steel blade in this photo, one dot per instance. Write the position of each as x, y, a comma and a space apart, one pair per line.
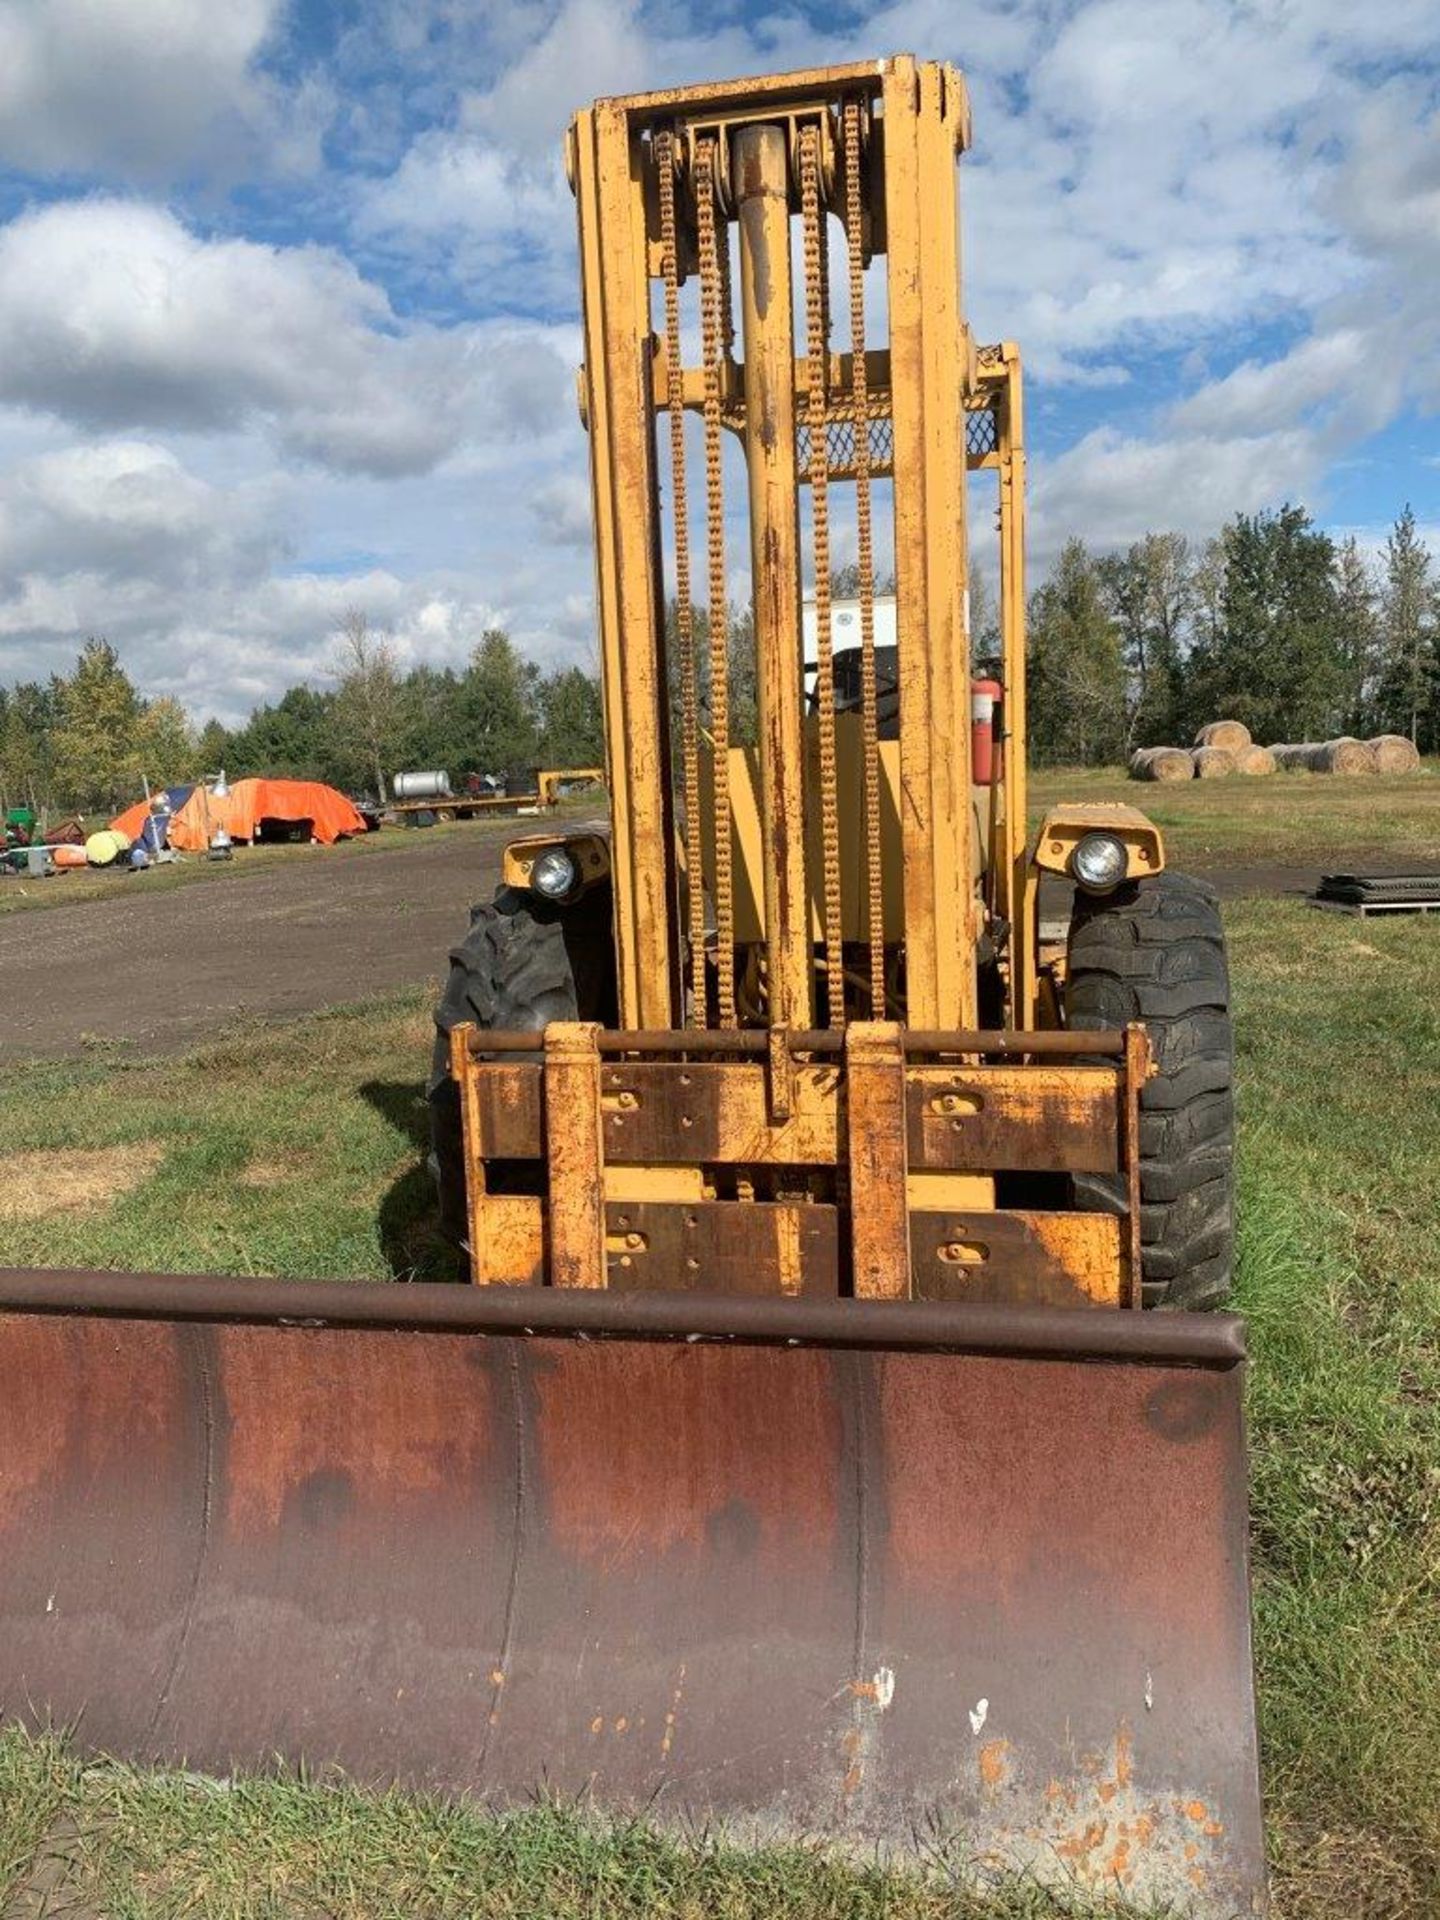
894, 1574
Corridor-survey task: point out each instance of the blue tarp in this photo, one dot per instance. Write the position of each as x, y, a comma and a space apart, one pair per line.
155, 834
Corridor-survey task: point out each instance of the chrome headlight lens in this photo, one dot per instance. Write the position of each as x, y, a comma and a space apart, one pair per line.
1099, 862
554, 874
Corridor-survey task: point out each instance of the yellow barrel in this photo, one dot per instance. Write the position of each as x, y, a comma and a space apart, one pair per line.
103, 849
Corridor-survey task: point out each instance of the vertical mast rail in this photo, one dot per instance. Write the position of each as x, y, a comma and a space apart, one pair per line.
865, 557
926, 122
760, 192
817, 346
1010, 411
618, 404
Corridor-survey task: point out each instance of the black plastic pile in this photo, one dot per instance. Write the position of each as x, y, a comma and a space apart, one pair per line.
1380, 889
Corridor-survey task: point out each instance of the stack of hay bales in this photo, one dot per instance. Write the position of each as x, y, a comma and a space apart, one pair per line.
1224, 747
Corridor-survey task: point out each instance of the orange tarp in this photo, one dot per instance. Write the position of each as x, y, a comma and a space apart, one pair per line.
250, 801
132, 820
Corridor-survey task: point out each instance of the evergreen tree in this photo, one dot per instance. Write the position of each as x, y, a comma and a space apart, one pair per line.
294, 736
1269, 653
497, 701
26, 754
1358, 627
213, 748
1408, 621
1076, 673
571, 727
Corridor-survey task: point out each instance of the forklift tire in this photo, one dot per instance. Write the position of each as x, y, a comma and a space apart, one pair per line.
1155, 951
524, 963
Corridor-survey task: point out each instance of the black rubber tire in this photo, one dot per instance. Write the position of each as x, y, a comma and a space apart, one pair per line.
523, 963
1155, 952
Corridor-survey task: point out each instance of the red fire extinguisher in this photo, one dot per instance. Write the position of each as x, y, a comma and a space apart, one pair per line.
986, 752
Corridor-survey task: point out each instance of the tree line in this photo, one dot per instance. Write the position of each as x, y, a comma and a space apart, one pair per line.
1271, 622
88, 741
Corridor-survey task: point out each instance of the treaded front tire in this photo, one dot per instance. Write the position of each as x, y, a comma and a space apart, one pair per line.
1155, 951
524, 963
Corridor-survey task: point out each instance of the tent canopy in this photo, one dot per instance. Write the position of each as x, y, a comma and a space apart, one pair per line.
202, 814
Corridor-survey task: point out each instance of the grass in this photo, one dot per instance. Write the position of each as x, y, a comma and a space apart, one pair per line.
133, 1845
1339, 1036
291, 1149
1289, 819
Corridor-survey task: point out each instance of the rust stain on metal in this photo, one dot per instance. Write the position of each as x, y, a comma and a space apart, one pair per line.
327, 1542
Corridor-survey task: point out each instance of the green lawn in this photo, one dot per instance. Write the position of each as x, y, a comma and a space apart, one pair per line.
1339, 1033
1288, 819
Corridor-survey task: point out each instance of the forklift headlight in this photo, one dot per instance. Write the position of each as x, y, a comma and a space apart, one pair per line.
554, 874
1099, 862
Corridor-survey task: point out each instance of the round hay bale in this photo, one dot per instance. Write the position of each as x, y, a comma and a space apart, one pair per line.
1290, 759
1351, 756
1255, 762
1394, 753
1213, 763
1327, 756
1232, 735
1161, 763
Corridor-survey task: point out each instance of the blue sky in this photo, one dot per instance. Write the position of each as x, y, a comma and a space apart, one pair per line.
287, 303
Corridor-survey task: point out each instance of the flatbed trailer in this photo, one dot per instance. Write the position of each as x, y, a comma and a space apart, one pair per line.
462, 806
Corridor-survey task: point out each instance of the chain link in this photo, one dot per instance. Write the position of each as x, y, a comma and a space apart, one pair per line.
665, 157
817, 347
715, 332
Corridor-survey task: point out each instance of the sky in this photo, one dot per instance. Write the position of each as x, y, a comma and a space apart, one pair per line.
288, 304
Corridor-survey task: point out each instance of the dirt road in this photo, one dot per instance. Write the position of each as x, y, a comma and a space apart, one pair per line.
165, 971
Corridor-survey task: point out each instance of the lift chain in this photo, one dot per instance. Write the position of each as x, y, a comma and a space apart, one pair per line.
817, 347
666, 157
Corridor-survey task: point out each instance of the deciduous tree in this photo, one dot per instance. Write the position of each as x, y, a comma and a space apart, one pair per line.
368, 714
1076, 668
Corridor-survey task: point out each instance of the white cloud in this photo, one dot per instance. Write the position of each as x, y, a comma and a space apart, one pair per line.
115, 315
1221, 222
119, 510
1112, 488
197, 583
562, 509
146, 87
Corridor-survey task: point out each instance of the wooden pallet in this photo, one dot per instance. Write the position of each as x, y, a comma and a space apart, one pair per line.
1363, 909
